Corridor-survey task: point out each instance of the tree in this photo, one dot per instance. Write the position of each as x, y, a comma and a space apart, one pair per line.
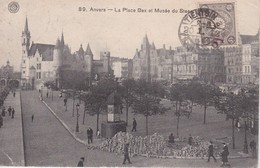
249, 106
206, 94
229, 104
96, 100
177, 95
127, 93
145, 102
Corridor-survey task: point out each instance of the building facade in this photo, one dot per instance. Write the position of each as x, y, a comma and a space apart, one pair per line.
45, 62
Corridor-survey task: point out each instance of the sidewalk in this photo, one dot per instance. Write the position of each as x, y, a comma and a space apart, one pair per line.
11, 134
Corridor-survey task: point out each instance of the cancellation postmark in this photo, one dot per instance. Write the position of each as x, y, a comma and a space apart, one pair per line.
13, 7
209, 25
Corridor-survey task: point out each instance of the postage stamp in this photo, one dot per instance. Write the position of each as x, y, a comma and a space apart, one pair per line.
209, 25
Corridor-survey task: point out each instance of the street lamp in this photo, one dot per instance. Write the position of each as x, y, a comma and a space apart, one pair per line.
77, 127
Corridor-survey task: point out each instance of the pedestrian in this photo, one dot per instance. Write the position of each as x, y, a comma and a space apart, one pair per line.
14, 94
171, 138
9, 110
47, 94
39, 90
224, 156
32, 117
210, 152
126, 154
134, 125
190, 140
1, 121
13, 111
90, 135
253, 148
3, 111
80, 164
65, 101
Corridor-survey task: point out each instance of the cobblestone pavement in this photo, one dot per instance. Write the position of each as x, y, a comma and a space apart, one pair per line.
48, 143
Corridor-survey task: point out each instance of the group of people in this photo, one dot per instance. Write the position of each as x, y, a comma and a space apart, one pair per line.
11, 113
10, 110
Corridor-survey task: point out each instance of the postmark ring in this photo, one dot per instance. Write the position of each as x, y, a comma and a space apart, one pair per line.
13, 7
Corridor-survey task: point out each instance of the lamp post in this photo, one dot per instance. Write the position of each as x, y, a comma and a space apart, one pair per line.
77, 126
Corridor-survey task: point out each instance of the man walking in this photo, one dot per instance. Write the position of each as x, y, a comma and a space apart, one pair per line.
90, 135
9, 110
32, 117
126, 154
134, 125
224, 155
80, 164
211, 149
13, 111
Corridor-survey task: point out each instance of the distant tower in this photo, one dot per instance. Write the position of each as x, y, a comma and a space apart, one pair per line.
146, 50
105, 56
88, 59
25, 53
57, 59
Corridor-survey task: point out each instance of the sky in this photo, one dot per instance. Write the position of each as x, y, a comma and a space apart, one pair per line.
118, 32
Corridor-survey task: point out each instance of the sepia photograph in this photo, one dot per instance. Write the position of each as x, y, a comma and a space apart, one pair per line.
129, 83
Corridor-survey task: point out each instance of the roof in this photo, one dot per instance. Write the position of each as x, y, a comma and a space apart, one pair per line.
45, 50
88, 51
248, 39
32, 68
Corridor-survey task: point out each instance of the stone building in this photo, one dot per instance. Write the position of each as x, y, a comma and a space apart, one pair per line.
150, 63
238, 60
45, 62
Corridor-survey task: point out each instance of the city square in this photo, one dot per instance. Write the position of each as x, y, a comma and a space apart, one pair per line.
174, 106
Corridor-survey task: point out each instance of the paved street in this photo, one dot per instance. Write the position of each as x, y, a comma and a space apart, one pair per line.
47, 143
11, 136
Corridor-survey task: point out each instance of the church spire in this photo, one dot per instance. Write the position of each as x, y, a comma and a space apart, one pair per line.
26, 29
88, 51
62, 38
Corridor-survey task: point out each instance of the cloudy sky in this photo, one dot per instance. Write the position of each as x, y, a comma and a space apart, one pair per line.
119, 32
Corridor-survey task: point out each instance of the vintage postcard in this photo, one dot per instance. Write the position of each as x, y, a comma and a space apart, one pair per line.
129, 83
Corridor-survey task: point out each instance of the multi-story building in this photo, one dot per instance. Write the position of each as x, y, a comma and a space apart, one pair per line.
184, 64
45, 62
122, 67
238, 60
150, 63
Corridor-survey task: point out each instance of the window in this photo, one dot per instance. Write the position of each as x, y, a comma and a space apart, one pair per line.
24, 61
38, 75
38, 66
23, 72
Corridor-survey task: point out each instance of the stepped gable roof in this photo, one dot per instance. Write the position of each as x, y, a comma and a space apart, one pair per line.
248, 39
45, 50
88, 51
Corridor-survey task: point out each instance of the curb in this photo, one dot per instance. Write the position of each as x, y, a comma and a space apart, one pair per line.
23, 146
143, 155
64, 125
